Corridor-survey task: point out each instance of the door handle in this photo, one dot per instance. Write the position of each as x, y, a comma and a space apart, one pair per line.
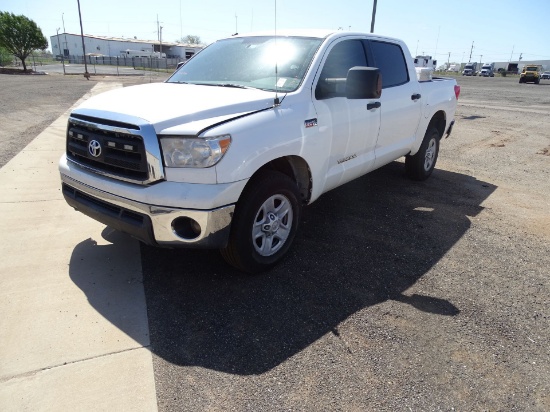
416, 96
374, 105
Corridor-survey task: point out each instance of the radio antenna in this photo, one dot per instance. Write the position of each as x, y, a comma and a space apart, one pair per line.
276, 102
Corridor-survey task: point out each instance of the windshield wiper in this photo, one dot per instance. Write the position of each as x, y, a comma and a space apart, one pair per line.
237, 86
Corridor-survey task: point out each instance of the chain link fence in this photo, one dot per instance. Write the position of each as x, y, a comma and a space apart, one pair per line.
116, 64
139, 63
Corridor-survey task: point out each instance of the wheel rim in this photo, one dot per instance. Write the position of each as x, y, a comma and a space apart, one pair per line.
272, 225
431, 152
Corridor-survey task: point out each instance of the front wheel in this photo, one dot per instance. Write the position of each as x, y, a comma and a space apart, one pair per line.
265, 223
421, 165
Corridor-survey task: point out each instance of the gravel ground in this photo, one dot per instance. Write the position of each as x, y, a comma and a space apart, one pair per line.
30, 103
397, 295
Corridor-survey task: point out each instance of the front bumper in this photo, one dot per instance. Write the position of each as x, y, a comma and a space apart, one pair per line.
154, 225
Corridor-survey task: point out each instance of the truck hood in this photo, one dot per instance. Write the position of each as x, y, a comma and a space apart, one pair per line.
174, 107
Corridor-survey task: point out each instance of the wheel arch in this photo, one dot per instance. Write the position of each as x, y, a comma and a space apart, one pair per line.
294, 167
439, 121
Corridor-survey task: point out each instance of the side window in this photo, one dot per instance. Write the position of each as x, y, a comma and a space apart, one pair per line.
389, 58
342, 57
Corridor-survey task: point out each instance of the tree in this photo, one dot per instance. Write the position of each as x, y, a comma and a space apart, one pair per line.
20, 36
5, 56
191, 39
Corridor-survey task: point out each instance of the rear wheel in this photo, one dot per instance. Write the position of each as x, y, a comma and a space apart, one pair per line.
265, 223
421, 165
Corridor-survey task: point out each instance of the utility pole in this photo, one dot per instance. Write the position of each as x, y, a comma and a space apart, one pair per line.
471, 50
86, 74
160, 56
449, 60
373, 17
66, 45
181, 25
59, 45
236, 25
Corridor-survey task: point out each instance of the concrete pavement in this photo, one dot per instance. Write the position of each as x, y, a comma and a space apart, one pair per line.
73, 325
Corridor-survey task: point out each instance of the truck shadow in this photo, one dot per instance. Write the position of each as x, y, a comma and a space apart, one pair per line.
359, 245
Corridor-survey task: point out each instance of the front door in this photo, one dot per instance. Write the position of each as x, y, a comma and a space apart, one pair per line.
353, 128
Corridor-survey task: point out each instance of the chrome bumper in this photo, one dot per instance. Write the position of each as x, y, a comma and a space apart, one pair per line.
154, 225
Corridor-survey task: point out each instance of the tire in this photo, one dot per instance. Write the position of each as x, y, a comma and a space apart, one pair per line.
265, 223
421, 165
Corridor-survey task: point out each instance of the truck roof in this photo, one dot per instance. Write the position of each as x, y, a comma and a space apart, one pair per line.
315, 33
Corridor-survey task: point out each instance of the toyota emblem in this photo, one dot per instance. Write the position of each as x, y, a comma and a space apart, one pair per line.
94, 148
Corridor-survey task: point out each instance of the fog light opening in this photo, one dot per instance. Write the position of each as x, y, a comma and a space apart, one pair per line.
186, 228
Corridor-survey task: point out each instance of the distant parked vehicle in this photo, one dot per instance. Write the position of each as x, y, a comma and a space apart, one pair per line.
545, 75
470, 69
531, 73
425, 61
512, 68
487, 70
454, 68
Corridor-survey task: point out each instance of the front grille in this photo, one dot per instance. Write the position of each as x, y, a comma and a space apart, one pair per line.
115, 153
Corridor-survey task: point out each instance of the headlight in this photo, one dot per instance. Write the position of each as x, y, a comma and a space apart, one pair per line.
181, 151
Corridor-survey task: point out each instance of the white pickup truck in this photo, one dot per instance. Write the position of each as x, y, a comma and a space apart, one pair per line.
228, 150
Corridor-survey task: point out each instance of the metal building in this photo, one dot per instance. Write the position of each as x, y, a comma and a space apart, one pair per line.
68, 44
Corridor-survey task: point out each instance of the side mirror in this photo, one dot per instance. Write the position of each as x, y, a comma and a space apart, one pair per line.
364, 83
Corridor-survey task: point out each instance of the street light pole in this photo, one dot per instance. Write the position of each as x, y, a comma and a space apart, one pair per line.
86, 74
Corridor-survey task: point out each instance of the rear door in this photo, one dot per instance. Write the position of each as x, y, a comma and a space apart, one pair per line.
400, 102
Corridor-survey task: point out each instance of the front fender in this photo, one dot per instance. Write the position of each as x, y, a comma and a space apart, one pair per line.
261, 138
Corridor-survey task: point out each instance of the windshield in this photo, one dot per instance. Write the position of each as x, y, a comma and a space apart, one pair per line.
531, 68
250, 62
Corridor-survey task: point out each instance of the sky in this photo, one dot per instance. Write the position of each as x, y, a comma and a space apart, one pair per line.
499, 31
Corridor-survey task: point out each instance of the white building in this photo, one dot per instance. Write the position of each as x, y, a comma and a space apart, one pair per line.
68, 44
